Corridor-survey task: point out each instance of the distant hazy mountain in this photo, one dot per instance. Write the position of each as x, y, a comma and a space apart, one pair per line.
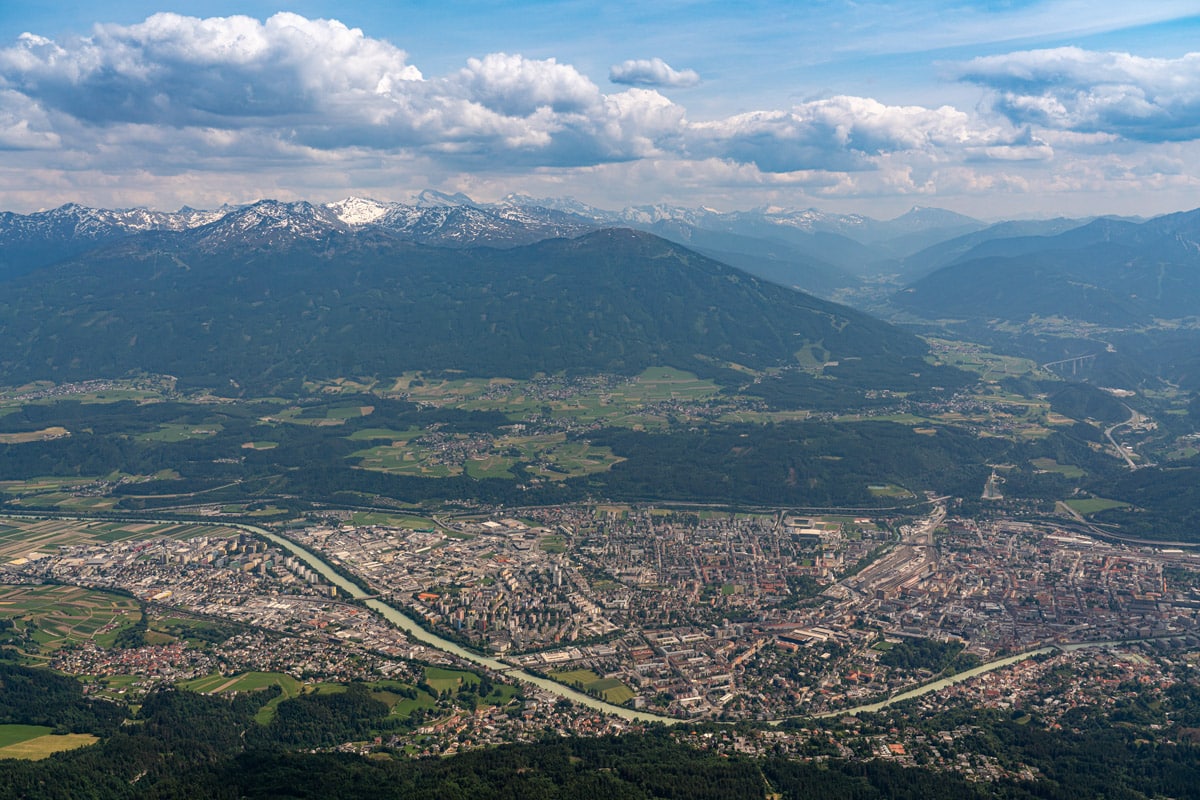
270, 293
827, 254
1112, 272
948, 251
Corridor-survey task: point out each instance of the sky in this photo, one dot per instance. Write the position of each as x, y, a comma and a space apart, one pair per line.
999, 109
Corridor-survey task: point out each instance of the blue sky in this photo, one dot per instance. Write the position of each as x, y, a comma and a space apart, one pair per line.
1028, 107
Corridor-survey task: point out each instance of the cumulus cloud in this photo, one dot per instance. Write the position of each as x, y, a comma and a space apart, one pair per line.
23, 125
320, 84
224, 71
651, 72
515, 85
842, 133
1068, 88
177, 94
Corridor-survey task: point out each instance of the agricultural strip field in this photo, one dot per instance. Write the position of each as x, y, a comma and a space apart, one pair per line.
65, 615
22, 538
519, 398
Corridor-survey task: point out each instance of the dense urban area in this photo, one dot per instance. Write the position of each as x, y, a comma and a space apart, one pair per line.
701, 616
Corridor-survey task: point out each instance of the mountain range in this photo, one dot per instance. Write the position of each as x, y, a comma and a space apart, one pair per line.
271, 293
825, 254
1110, 272
1120, 274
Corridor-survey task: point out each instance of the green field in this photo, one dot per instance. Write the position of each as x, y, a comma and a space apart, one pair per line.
493, 466
87, 505
34, 742
890, 490
1094, 505
620, 404
399, 460
389, 693
24, 437
249, 682
172, 433
550, 456
442, 679
11, 734
44, 484
329, 416
245, 682
990, 366
553, 544
23, 535
372, 434
410, 521
610, 689
1050, 465
66, 615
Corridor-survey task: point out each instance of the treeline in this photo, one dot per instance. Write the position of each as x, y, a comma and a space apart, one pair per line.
190, 746
40, 697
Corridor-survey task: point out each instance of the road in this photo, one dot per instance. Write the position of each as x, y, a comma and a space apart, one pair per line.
1134, 417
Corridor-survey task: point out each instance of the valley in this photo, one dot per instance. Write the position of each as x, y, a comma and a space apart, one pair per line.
447, 499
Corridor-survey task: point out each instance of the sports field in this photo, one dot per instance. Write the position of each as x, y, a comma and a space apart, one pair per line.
610, 689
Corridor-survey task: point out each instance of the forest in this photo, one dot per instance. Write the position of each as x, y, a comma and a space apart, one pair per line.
186, 745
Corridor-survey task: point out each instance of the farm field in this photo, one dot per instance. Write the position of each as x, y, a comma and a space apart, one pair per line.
249, 682
1093, 505
172, 433
45, 434
25, 538
35, 742
550, 456
66, 615
326, 416
519, 398
1066, 470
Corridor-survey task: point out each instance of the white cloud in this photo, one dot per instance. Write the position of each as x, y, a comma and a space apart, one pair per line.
1145, 99
315, 103
652, 72
514, 85
23, 125
223, 71
843, 133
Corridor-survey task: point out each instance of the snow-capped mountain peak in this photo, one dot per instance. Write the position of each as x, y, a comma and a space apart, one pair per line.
359, 210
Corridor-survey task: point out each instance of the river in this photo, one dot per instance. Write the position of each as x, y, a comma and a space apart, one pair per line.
415, 631
937, 685
410, 627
